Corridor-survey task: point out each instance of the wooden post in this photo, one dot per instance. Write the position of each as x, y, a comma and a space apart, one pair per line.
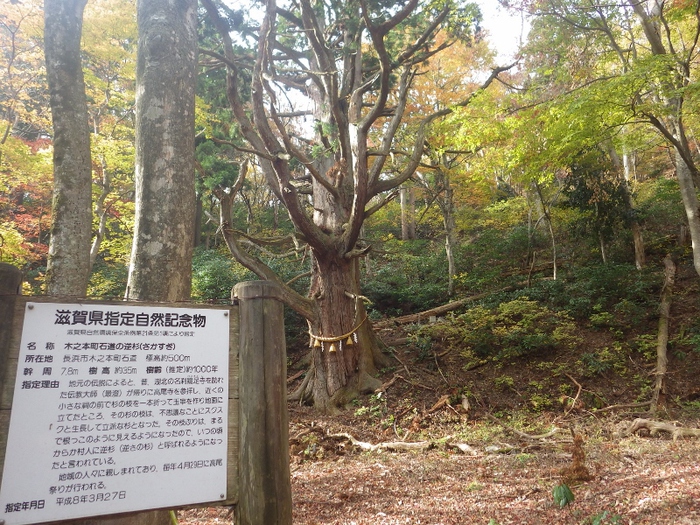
10, 288
10, 285
265, 496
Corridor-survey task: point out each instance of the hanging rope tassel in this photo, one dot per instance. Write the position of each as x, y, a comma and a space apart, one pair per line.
349, 339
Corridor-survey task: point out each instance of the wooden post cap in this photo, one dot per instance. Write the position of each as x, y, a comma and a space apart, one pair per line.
256, 290
10, 279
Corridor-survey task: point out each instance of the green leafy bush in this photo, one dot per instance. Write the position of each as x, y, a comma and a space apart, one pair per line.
512, 329
108, 280
410, 277
214, 274
603, 360
616, 295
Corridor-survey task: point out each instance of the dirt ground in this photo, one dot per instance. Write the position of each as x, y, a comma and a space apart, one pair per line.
635, 480
492, 443
474, 467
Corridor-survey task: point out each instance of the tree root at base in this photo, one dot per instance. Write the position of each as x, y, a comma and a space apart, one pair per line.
363, 383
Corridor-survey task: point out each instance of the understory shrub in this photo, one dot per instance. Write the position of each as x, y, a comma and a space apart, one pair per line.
512, 329
410, 277
108, 280
616, 295
214, 274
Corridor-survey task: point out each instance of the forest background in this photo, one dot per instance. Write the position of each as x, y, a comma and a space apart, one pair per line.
550, 211
556, 185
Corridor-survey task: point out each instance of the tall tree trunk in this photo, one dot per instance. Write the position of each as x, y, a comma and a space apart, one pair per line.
691, 206
68, 268
450, 240
640, 258
408, 213
623, 168
161, 257
550, 227
629, 166
603, 254
662, 338
670, 122
101, 213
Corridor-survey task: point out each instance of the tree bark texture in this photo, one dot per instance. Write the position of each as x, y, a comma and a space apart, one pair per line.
691, 206
623, 168
342, 365
68, 268
448, 219
161, 257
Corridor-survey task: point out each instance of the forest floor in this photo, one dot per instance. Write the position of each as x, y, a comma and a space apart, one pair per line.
440, 445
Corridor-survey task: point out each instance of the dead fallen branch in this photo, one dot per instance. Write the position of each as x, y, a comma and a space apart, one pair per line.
388, 383
524, 435
654, 427
398, 342
392, 445
624, 406
440, 310
444, 400
296, 376
575, 399
397, 446
465, 449
445, 308
412, 383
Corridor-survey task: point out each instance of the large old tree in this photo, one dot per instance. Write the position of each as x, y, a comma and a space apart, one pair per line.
320, 99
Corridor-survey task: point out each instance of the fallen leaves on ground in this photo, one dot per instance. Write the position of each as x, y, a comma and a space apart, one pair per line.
636, 481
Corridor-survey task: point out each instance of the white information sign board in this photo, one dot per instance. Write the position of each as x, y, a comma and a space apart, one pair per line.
117, 408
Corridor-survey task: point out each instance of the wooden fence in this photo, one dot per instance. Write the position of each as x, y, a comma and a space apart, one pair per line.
258, 476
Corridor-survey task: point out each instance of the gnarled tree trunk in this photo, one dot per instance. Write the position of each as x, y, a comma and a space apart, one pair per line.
331, 180
343, 362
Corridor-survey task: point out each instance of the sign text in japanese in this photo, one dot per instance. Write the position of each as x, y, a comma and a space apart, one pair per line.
116, 408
